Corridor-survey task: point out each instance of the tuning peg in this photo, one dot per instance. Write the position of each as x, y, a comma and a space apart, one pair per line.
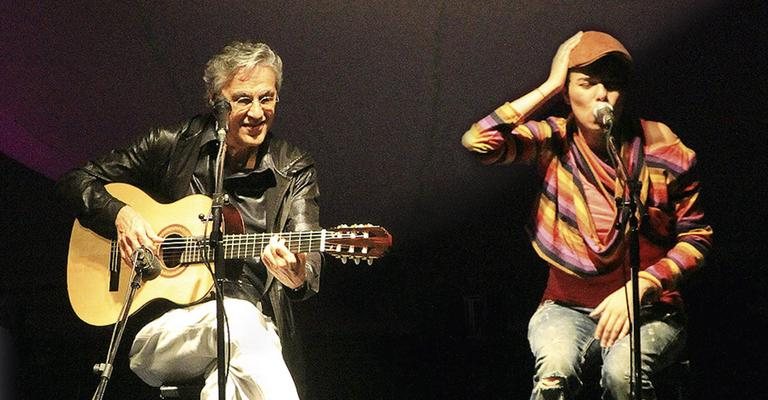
357, 260
343, 260
370, 261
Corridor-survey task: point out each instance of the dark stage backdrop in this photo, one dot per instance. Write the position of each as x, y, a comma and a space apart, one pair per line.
380, 92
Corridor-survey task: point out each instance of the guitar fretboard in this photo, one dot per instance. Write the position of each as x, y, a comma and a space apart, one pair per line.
357, 243
190, 250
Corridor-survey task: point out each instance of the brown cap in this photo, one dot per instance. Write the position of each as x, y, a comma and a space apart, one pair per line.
594, 45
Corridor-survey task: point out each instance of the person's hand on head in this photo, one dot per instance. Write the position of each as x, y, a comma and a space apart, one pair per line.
559, 69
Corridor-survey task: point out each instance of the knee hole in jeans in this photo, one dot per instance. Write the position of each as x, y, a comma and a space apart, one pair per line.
552, 382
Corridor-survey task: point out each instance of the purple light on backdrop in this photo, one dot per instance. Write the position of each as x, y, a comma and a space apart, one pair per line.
17, 143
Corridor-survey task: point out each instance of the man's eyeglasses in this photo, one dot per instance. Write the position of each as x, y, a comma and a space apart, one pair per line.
266, 101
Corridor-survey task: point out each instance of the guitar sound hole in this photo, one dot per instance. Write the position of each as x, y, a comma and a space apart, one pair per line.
171, 251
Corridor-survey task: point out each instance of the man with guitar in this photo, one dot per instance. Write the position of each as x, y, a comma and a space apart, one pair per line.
271, 187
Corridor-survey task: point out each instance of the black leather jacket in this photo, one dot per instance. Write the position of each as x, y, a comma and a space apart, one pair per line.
162, 163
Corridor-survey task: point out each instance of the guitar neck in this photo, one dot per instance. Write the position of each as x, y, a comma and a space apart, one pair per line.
240, 246
252, 244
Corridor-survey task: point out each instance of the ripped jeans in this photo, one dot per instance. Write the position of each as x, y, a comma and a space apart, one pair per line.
564, 348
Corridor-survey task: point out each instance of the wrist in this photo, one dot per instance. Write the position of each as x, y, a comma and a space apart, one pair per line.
548, 89
301, 279
647, 277
649, 289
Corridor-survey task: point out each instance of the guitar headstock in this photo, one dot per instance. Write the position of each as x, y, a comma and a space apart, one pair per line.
358, 242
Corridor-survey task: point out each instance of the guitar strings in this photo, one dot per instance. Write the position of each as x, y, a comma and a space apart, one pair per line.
263, 237
194, 249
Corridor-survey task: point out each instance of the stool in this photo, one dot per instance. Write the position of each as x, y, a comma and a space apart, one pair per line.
182, 391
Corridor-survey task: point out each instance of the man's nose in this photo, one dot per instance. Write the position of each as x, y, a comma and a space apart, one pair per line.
255, 111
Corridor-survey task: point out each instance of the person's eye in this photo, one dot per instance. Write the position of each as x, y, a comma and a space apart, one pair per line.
266, 99
243, 100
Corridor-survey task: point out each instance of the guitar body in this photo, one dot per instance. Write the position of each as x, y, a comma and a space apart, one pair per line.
88, 271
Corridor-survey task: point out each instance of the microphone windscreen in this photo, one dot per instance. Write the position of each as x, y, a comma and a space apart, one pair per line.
603, 113
602, 108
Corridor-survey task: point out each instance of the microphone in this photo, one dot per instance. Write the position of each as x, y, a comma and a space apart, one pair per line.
603, 113
148, 265
222, 108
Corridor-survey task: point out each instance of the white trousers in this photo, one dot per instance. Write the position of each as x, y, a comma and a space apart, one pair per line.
181, 345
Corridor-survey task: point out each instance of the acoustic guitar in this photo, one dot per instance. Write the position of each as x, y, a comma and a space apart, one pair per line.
97, 278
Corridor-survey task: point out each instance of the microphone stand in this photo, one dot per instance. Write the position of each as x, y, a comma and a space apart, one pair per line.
628, 214
142, 268
217, 244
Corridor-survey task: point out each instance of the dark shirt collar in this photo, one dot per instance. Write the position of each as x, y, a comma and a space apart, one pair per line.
253, 183
265, 160
209, 135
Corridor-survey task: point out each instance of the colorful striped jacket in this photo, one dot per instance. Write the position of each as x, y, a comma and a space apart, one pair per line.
674, 239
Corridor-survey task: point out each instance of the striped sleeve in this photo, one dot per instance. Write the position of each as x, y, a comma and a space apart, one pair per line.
693, 235
519, 142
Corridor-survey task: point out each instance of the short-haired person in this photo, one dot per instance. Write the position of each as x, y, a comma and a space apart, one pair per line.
272, 184
583, 318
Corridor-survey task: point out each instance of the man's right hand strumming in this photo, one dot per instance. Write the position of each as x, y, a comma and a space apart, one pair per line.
133, 231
